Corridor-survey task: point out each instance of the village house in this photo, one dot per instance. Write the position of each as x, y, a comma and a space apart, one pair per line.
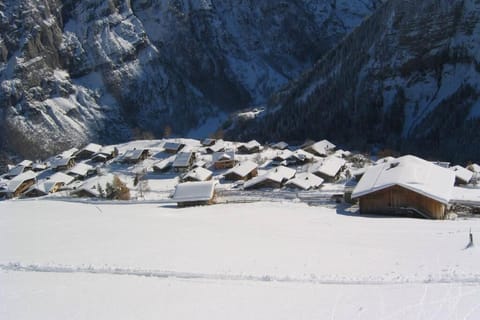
250, 147
15, 171
51, 184
87, 152
135, 156
105, 154
321, 148
81, 171
223, 160
197, 174
20, 184
183, 161
219, 146
173, 147
273, 178
329, 169
94, 187
194, 193
242, 171
282, 145
281, 158
62, 164
305, 181
164, 165
406, 186
208, 142
300, 157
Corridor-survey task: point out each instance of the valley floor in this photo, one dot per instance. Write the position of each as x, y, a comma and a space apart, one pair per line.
264, 260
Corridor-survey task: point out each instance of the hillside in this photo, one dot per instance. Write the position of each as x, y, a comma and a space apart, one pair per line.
407, 79
77, 71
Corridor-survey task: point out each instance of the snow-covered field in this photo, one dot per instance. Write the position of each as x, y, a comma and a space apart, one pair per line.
264, 260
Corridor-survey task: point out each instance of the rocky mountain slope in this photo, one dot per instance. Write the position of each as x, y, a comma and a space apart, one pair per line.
76, 71
408, 78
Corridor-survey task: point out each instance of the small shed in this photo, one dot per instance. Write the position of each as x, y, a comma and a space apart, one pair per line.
223, 160
274, 178
462, 175
243, 171
305, 181
405, 186
194, 193
198, 174
183, 161
253, 146
173, 147
329, 169
320, 148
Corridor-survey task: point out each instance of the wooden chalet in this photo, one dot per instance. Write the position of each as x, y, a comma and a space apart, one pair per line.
406, 186
105, 154
183, 161
274, 178
15, 171
173, 147
21, 183
223, 160
197, 174
250, 147
88, 151
329, 169
135, 156
163, 165
194, 193
282, 145
208, 142
81, 171
243, 171
49, 185
320, 148
305, 181
219, 146
62, 164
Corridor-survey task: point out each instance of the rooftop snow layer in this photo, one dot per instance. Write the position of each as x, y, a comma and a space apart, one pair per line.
194, 191
411, 173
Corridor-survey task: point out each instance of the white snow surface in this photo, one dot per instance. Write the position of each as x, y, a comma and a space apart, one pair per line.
70, 260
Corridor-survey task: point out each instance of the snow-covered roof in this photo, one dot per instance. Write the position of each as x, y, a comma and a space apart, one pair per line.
278, 174
280, 145
18, 180
80, 169
208, 141
198, 174
134, 154
26, 163
342, 153
283, 155
182, 159
15, 171
38, 166
462, 174
165, 163
60, 162
250, 145
218, 146
302, 155
306, 181
329, 167
223, 156
243, 168
108, 150
91, 185
61, 177
172, 146
385, 160
194, 191
411, 173
43, 186
474, 168
91, 147
322, 147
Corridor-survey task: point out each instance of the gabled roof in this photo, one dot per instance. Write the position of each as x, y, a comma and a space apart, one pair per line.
208, 141
474, 168
411, 173
134, 154
194, 191
306, 181
223, 156
283, 155
302, 155
18, 180
182, 159
321, 147
26, 163
172, 146
243, 168
280, 145
462, 174
165, 163
278, 174
15, 171
91, 185
218, 146
329, 167
252, 144
60, 162
91, 147
198, 174
61, 177
80, 169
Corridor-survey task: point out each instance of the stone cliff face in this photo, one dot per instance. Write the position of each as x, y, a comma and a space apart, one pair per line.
407, 78
74, 71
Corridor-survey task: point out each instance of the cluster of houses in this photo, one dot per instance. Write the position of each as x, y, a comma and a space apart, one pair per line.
405, 185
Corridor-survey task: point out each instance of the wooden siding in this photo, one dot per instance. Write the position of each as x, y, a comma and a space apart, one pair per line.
395, 199
233, 176
224, 164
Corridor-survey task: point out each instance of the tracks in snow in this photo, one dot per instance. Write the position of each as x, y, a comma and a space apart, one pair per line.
445, 279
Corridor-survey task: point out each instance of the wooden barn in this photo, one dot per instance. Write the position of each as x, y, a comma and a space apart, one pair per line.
250, 147
135, 155
183, 161
274, 178
21, 183
88, 151
194, 193
173, 147
406, 186
62, 164
320, 148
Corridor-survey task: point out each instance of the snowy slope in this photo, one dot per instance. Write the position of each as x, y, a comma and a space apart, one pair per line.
268, 260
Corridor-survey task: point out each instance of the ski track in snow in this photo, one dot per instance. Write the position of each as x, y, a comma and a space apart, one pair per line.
17, 267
